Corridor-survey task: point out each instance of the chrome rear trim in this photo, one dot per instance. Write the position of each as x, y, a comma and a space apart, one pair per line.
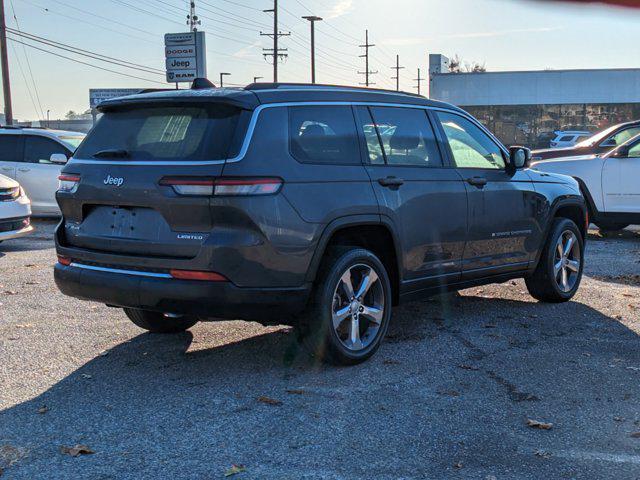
121, 271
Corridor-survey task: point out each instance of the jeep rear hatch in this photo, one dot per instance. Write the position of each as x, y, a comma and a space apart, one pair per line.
121, 204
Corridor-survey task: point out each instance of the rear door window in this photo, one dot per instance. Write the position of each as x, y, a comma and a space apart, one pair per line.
40, 149
165, 133
10, 148
407, 137
323, 134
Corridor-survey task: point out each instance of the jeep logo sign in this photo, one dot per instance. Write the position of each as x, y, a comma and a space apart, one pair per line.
117, 181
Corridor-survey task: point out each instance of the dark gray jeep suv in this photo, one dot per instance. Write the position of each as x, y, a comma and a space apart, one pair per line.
315, 206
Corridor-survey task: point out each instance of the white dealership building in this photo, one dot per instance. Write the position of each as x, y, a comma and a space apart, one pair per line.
527, 107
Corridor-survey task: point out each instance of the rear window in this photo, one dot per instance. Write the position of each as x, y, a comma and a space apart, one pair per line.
169, 133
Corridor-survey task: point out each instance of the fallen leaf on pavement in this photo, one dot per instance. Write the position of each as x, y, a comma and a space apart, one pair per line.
458, 465
76, 451
539, 425
618, 419
234, 470
468, 367
10, 292
489, 325
43, 409
542, 453
269, 401
635, 435
391, 362
635, 369
296, 392
86, 375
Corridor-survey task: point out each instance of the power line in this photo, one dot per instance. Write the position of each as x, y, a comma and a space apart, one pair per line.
84, 63
26, 57
86, 53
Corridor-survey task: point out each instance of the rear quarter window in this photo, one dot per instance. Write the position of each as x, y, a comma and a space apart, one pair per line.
168, 133
323, 134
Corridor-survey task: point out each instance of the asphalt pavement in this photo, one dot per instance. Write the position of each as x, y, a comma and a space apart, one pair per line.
449, 394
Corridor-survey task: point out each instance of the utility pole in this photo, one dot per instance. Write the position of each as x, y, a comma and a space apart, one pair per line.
367, 72
6, 81
255, 79
192, 19
313, 19
397, 68
275, 52
419, 80
222, 75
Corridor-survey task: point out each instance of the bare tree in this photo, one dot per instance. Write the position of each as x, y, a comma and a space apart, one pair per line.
457, 65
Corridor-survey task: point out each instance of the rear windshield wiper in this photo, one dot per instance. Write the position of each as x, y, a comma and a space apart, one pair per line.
114, 153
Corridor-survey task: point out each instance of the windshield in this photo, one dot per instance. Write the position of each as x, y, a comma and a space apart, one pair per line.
598, 137
182, 132
72, 142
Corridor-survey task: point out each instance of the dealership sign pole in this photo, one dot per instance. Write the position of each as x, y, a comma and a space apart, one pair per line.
185, 55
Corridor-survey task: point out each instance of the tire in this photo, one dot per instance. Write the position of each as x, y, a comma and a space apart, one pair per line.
332, 298
156, 322
611, 226
557, 276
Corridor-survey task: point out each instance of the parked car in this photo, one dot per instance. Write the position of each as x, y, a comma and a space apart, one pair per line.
569, 138
315, 206
34, 157
609, 183
600, 143
15, 210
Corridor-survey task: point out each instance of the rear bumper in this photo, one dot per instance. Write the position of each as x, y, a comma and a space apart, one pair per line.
205, 299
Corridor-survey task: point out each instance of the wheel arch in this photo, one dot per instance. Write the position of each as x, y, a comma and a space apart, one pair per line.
373, 232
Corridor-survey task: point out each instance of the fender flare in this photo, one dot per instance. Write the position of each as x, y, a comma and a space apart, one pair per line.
352, 221
569, 201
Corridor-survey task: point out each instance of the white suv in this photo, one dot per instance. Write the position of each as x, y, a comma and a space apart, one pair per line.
15, 210
609, 182
34, 157
568, 138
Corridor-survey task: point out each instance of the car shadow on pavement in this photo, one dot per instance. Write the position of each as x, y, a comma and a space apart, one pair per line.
467, 369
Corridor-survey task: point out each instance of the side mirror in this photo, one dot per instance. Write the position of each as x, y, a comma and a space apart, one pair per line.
59, 158
519, 157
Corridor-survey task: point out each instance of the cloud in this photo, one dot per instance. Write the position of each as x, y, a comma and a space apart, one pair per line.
342, 7
407, 41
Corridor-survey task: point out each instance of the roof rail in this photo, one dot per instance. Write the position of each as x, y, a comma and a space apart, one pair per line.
311, 86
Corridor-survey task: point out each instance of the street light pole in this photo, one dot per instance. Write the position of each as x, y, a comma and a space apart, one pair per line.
312, 20
4, 60
255, 79
48, 122
222, 75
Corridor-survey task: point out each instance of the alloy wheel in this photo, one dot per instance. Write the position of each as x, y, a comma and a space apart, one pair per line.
566, 261
358, 307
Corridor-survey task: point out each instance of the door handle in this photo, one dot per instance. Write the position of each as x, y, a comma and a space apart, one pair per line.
477, 181
24, 169
391, 181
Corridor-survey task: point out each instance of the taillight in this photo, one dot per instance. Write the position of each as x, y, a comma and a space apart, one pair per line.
197, 275
66, 261
189, 186
68, 183
223, 186
247, 186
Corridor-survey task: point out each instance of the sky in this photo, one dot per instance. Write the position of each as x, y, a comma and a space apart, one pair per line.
502, 34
